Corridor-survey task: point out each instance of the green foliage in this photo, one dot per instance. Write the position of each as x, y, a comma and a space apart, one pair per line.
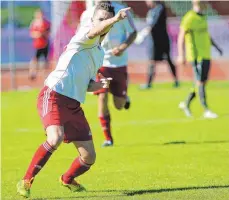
158, 153
23, 15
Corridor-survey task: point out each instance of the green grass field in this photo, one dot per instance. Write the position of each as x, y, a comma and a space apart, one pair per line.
158, 154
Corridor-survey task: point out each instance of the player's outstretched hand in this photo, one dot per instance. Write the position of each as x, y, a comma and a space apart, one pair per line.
122, 14
117, 51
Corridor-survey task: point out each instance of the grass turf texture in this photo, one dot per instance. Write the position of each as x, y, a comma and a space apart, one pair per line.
158, 153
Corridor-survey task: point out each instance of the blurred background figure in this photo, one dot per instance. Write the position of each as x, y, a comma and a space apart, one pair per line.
39, 31
160, 48
194, 33
115, 44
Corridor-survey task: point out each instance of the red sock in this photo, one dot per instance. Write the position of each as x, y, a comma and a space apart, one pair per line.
41, 156
77, 168
105, 122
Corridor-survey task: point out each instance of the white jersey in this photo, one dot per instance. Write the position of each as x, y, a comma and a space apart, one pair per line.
77, 65
116, 36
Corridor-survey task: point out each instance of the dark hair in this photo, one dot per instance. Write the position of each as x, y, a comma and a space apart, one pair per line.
105, 6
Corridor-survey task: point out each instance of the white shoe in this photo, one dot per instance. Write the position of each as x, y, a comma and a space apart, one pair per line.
210, 115
186, 110
107, 143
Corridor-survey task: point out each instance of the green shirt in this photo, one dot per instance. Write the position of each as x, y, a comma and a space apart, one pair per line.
197, 38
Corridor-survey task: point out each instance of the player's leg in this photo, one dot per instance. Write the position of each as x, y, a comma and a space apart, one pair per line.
185, 106
173, 70
119, 88
46, 61
55, 135
128, 102
151, 68
33, 66
204, 68
80, 165
151, 73
105, 118
103, 109
119, 102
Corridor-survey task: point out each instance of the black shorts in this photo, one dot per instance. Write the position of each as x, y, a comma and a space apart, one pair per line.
201, 69
42, 52
160, 49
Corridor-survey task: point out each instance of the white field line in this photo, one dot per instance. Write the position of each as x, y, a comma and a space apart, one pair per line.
128, 123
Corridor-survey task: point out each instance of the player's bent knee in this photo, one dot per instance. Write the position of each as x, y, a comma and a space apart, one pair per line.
55, 141
89, 157
119, 103
119, 106
55, 135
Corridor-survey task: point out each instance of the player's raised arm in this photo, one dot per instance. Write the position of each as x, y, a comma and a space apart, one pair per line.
151, 19
102, 22
131, 30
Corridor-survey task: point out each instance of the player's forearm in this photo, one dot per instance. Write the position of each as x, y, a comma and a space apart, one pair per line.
214, 44
142, 35
94, 86
180, 44
102, 28
146, 31
129, 41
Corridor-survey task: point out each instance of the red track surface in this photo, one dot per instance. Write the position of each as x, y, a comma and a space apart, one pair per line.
137, 71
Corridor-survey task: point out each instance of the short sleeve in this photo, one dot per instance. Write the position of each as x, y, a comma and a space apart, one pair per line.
128, 23
186, 22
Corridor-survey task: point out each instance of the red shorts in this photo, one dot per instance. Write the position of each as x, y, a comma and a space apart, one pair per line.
118, 85
56, 109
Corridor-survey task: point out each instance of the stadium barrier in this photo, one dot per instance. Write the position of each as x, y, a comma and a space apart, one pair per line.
65, 19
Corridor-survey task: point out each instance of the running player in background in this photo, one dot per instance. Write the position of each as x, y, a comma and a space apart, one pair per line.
59, 101
115, 62
195, 35
160, 48
39, 31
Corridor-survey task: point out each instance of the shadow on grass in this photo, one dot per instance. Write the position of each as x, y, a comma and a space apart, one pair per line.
181, 142
140, 192
125, 193
203, 142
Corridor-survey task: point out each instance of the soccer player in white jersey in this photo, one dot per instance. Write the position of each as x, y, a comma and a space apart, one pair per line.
59, 101
119, 38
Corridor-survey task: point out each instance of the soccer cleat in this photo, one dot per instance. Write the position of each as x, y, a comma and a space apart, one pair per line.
176, 84
145, 87
23, 188
127, 104
186, 110
107, 143
74, 186
210, 115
